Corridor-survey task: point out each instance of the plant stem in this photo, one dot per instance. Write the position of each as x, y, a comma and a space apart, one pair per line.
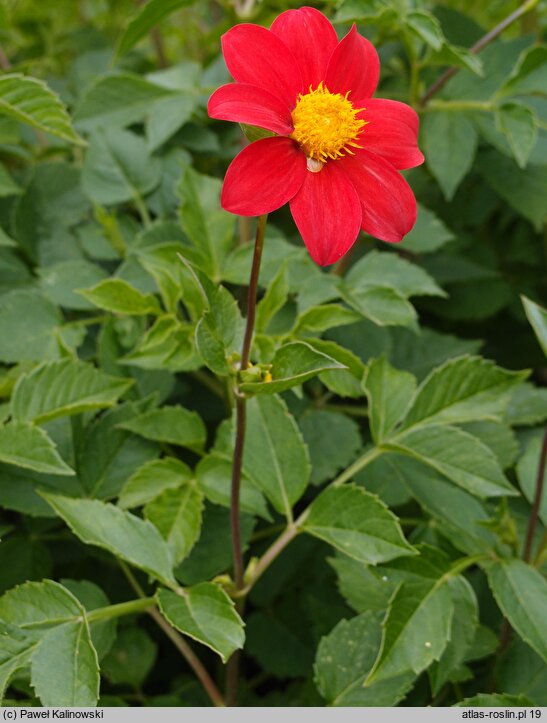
357, 466
232, 670
534, 514
479, 45
143, 604
178, 641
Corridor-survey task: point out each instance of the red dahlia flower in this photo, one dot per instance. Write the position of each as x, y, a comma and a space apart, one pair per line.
337, 151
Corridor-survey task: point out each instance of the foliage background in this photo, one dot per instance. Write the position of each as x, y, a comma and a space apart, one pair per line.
116, 383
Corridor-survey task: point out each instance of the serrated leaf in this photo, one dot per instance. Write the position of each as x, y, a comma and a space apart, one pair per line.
529, 73
118, 167
61, 388
219, 332
15, 653
527, 406
382, 304
364, 587
153, 478
521, 593
31, 101
39, 605
333, 441
292, 365
144, 21
457, 56
450, 142
343, 383
519, 124
29, 324
65, 669
358, 524
537, 316
344, 659
463, 390
320, 318
528, 469
121, 533
167, 345
457, 455
173, 425
275, 457
521, 671
206, 614
177, 515
119, 297
58, 282
390, 393
30, 447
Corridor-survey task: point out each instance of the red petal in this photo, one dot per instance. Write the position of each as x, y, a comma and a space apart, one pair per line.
256, 56
327, 212
391, 132
389, 206
311, 39
263, 177
245, 103
354, 66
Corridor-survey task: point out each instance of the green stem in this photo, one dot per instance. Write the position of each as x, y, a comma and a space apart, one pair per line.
357, 466
141, 208
459, 105
479, 45
116, 611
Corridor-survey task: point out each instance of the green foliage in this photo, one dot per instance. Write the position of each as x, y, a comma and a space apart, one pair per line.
395, 403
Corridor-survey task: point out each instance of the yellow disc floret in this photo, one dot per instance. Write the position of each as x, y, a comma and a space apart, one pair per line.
326, 125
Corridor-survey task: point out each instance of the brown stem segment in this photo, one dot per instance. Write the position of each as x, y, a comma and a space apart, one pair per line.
534, 514
479, 45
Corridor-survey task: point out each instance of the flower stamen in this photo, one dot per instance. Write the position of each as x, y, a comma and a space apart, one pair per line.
326, 125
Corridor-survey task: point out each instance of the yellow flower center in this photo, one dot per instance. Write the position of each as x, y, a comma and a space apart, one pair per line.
325, 125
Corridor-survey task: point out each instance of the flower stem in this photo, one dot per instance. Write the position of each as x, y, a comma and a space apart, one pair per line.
534, 514
232, 670
526, 7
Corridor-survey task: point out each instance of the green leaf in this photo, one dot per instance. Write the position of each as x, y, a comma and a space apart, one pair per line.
8, 187
206, 614
449, 142
528, 472
119, 99
152, 479
118, 167
61, 388
463, 390
527, 406
320, 318
428, 234
145, 20
30, 447
521, 593
499, 437
274, 299
167, 116
39, 605
31, 101
521, 671
119, 297
529, 73
519, 124
29, 324
333, 441
427, 28
537, 316
58, 282
103, 632
364, 588
167, 345
177, 515
343, 383
457, 56
358, 524
15, 653
390, 393
134, 540
131, 659
383, 305
173, 425
292, 365
65, 668
275, 456
219, 332
459, 456
344, 659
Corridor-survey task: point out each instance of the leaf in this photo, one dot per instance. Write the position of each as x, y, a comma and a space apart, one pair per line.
521, 671
31, 101
274, 299
333, 441
364, 588
343, 383
416, 629
529, 73
428, 234
144, 21
134, 540
206, 614
459, 57
131, 659
39, 605
15, 653
177, 515
103, 632
65, 668
167, 116
173, 425
537, 316
519, 124
457, 455
275, 457
383, 305
344, 659
30, 447
461, 390
449, 142
358, 524
118, 167
118, 99
527, 406
390, 393
60, 388
292, 365
219, 332
320, 318
521, 593
278, 647
167, 345
58, 282
119, 297
8, 187
28, 327
528, 472
427, 28
152, 479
